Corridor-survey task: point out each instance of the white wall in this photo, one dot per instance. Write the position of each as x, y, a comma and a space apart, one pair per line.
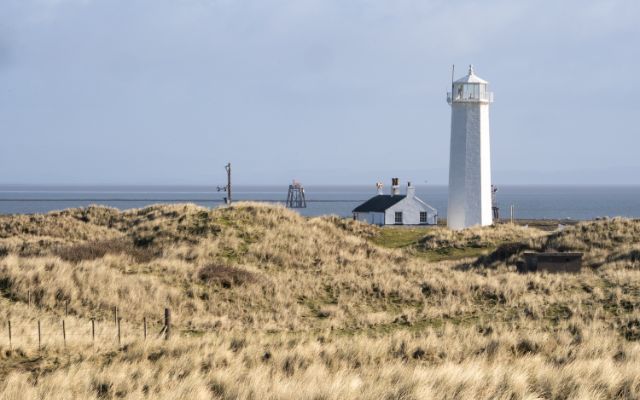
371, 217
410, 208
378, 218
469, 166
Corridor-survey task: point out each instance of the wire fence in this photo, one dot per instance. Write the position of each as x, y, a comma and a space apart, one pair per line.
66, 331
36, 330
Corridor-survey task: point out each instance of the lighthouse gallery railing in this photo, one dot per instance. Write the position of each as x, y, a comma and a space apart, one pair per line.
471, 97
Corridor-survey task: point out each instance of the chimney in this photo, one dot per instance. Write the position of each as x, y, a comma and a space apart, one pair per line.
411, 190
395, 186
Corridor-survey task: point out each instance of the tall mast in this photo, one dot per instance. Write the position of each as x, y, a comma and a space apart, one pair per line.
227, 187
228, 168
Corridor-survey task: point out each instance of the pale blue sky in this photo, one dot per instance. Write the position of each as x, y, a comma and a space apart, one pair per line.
325, 91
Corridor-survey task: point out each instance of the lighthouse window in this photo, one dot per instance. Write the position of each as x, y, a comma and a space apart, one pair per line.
472, 91
398, 218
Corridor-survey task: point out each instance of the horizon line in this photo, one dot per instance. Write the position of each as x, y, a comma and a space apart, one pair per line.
84, 184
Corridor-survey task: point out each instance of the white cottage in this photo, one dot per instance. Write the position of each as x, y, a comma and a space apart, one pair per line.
396, 209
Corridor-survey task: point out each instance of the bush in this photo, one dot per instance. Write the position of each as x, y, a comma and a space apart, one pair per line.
98, 249
526, 347
225, 276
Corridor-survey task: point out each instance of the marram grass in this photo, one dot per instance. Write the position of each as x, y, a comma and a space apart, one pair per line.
270, 305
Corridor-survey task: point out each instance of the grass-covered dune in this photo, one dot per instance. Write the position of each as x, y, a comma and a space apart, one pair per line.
268, 304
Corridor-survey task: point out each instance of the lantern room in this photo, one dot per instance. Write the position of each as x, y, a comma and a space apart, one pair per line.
470, 89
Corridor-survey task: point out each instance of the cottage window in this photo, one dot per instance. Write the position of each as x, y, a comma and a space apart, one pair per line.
423, 217
398, 219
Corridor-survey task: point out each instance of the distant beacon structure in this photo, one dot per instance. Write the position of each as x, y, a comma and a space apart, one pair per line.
470, 158
295, 196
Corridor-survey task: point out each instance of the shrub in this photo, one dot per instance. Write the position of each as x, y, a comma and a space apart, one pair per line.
225, 275
98, 249
525, 347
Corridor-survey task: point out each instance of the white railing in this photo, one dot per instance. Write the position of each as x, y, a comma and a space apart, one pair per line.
486, 97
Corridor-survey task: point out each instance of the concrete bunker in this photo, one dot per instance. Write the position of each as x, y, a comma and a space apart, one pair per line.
550, 262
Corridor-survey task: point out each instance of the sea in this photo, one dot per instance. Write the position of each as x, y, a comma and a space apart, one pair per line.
528, 201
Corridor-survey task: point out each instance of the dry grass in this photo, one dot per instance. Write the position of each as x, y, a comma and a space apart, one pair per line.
267, 304
604, 242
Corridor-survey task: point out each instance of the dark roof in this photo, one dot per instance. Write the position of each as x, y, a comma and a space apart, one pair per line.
379, 203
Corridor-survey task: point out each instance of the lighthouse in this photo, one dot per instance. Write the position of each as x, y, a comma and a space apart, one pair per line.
470, 157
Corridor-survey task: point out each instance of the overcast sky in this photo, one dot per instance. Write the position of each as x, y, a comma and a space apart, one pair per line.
325, 91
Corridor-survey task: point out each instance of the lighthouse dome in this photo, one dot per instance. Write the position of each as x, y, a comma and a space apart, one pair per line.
471, 77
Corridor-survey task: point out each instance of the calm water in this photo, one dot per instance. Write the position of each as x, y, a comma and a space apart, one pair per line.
575, 202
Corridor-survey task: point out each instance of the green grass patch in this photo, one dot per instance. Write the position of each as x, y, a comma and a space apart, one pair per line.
408, 238
398, 237
453, 253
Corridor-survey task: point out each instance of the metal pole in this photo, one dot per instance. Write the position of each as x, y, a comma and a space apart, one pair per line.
144, 323
119, 341
228, 168
64, 334
93, 330
115, 315
39, 337
10, 343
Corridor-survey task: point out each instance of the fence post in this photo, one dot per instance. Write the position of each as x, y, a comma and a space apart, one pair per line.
144, 324
93, 331
10, 343
118, 323
115, 315
39, 337
167, 324
64, 334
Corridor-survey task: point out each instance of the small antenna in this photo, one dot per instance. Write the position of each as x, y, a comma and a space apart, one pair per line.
453, 70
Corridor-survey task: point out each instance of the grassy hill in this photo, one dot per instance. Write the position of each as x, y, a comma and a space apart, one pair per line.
268, 304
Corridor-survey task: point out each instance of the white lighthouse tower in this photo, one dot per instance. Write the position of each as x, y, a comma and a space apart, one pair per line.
470, 159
